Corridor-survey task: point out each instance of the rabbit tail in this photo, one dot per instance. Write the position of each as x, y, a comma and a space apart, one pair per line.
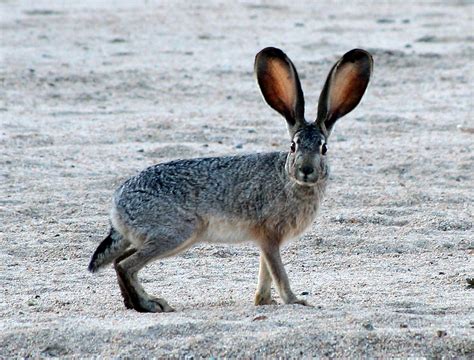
108, 250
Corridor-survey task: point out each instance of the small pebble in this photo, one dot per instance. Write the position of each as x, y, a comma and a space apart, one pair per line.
426, 38
385, 21
117, 41
368, 326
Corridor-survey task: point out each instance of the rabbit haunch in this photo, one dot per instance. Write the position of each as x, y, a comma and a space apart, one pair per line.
267, 198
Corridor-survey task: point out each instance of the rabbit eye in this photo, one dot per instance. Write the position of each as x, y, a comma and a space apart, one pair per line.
324, 149
293, 147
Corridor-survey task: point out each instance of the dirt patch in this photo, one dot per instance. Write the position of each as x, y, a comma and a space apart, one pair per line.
91, 93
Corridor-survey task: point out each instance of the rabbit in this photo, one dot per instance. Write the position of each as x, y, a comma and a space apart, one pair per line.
267, 198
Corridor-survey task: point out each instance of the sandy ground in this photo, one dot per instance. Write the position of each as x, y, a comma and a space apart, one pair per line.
92, 93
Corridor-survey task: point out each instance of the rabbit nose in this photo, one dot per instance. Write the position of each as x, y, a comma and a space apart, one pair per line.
306, 170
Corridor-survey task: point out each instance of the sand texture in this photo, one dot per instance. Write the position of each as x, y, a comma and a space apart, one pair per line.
91, 92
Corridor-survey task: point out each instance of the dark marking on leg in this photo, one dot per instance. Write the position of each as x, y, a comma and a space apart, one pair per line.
123, 290
140, 302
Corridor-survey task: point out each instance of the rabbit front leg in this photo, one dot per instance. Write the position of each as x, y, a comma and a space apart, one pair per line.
263, 296
271, 254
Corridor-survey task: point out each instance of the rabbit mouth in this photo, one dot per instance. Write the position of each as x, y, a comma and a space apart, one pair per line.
307, 181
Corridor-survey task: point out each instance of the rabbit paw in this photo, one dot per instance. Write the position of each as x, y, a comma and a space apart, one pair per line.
154, 305
162, 304
300, 302
264, 300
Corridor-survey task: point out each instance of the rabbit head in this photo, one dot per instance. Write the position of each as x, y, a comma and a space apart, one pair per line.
280, 86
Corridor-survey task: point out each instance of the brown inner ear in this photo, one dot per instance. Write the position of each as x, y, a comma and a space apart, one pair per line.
346, 89
278, 87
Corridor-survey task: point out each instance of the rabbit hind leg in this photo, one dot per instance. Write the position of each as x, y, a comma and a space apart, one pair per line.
127, 270
123, 289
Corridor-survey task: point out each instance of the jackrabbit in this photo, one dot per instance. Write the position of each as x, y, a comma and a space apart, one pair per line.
268, 198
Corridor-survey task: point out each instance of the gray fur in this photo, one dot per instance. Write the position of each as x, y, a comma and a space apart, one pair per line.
267, 197
252, 188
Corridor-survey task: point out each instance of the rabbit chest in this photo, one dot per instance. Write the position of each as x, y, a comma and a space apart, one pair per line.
284, 219
297, 212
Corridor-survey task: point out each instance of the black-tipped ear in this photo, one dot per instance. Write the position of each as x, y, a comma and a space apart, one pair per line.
280, 85
344, 87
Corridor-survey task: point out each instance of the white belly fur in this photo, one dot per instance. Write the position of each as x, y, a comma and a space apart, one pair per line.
227, 231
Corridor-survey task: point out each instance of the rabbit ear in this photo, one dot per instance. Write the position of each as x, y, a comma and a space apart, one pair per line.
280, 86
344, 87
